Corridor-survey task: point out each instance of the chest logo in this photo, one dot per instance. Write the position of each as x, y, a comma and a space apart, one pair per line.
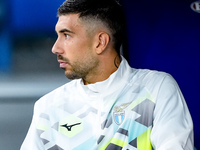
70, 126
119, 113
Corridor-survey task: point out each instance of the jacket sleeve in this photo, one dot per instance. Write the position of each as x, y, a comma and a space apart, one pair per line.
172, 126
32, 140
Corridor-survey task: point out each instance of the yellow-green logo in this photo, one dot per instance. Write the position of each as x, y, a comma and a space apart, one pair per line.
70, 126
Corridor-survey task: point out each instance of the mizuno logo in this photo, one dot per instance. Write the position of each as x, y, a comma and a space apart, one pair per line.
69, 127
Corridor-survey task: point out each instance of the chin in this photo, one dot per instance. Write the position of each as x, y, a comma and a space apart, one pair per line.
71, 76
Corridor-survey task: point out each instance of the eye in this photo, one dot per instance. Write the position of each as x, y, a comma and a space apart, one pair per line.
66, 35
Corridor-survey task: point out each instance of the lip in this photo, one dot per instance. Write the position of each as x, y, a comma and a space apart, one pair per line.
62, 63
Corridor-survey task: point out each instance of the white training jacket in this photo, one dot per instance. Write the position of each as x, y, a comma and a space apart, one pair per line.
133, 109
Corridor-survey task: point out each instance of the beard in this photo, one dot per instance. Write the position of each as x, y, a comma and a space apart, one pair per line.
79, 68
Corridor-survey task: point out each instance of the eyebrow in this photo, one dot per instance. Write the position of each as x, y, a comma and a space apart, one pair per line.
65, 30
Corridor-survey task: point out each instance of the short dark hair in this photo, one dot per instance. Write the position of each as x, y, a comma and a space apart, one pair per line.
109, 12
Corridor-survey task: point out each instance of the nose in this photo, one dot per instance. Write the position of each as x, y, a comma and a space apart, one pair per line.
57, 48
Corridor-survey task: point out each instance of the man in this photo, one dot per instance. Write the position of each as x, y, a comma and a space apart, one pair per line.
108, 105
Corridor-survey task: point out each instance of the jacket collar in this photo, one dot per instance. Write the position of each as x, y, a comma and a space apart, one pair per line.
119, 78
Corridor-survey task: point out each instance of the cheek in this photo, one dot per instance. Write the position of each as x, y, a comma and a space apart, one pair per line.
78, 49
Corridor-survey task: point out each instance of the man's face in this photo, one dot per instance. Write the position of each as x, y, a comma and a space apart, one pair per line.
74, 47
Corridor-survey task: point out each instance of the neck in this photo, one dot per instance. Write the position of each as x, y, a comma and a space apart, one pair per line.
108, 65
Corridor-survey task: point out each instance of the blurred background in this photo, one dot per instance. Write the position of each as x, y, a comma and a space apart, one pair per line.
162, 35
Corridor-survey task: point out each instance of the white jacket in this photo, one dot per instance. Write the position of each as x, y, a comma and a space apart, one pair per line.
133, 109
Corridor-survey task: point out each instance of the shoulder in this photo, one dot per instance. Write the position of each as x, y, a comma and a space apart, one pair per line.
148, 77
153, 81
57, 95
143, 77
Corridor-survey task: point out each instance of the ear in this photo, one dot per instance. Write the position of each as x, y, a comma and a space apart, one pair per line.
103, 40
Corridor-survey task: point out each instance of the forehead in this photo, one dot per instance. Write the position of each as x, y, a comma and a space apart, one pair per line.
70, 22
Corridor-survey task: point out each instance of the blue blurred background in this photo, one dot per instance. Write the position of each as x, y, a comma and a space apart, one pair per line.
162, 35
